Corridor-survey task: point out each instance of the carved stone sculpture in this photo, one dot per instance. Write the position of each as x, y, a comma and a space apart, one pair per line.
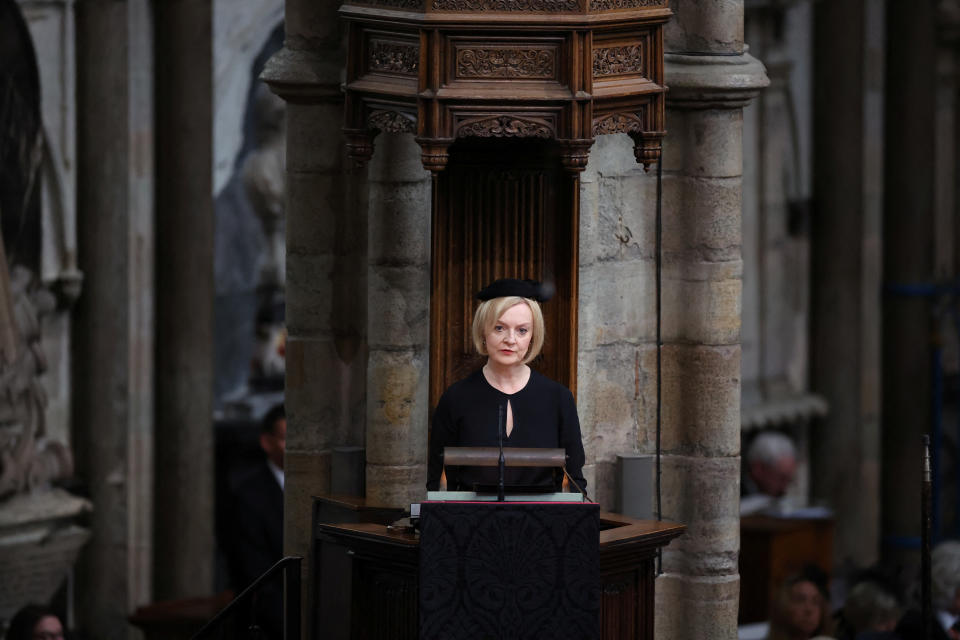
27, 460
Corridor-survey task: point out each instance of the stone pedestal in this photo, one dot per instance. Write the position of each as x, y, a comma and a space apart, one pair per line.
40, 539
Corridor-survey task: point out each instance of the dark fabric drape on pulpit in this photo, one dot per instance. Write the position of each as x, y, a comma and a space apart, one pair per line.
509, 570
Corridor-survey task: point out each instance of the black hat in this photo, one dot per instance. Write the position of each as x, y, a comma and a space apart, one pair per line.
505, 287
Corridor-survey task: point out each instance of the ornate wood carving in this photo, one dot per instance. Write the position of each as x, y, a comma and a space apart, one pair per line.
506, 69
538, 78
505, 127
606, 5
613, 61
506, 62
618, 123
392, 121
396, 4
540, 6
393, 57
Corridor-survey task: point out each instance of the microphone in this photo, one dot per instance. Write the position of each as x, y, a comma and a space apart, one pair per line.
501, 462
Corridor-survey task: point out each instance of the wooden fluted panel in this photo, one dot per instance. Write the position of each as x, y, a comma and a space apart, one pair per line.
498, 213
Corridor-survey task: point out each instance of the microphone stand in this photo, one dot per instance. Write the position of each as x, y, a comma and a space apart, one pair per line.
500, 463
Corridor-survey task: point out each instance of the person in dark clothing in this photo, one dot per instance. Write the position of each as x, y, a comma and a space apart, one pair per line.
256, 535
35, 622
945, 594
534, 411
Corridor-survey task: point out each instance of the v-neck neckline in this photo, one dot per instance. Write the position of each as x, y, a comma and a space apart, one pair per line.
483, 375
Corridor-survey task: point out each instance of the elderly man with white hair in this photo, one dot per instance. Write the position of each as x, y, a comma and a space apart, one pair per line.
945, 596
770, 465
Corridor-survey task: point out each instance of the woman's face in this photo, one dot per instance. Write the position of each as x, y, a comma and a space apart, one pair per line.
509, 337
48, 628
804, 604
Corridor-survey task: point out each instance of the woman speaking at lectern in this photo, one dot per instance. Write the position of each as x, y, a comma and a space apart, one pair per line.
531, 409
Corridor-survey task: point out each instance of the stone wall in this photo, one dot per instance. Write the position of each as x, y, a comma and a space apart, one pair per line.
616, 373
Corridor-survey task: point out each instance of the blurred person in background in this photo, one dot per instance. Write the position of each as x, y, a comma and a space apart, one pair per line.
801, 609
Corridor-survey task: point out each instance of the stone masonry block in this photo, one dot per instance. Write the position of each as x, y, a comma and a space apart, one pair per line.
396, 485
705, 26
702, 311
309, 293
604, 487
397, 407
326, 214
702, 608
702, 216
704, 143
318, 383
306, 474
701, 399
396, 158
399, 306
612, 155
316, 23
400, 223
615, 314
313, 201
607, 402
621, 224
704, 494
617, 203
315, 129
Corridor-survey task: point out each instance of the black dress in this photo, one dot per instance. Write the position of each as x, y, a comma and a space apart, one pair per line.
544, 415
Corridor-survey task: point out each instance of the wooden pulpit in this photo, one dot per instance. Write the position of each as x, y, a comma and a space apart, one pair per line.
368, 574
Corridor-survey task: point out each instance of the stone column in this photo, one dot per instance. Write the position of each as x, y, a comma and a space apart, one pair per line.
399, 326
113, 346
845, 276
711, 79
908, 258
183, 559
326, 267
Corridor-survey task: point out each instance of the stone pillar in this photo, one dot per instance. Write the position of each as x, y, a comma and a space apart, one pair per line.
326, 267
908, 258
848, 151
113, 346
398, 377
711, 79
183, 559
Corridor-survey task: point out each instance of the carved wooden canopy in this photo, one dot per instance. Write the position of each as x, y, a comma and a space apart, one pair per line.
565, 70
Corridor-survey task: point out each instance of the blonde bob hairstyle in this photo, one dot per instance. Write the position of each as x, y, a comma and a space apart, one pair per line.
490, 311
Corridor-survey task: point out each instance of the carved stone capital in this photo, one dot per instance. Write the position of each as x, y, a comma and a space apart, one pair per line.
304, 77
713, 82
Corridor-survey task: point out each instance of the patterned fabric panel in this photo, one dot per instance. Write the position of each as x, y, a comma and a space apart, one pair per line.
495, 570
